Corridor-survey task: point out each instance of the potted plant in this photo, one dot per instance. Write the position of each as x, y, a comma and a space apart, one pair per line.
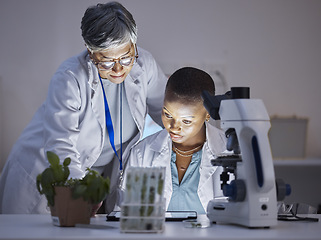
70, 200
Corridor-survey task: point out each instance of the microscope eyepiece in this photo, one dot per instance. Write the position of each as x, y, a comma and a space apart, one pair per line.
240, 92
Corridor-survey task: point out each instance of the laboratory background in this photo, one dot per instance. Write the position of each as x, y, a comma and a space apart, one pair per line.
271, 46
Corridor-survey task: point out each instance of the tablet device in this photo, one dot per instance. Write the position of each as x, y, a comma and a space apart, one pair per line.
169, 215
180, 215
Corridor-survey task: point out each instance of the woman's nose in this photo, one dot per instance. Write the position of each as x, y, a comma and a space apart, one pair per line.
175, 126
117, 67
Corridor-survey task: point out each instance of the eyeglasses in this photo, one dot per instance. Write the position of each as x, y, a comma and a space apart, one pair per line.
296, 212
123, 61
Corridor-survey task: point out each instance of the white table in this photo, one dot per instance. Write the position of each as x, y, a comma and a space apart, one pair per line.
40, 227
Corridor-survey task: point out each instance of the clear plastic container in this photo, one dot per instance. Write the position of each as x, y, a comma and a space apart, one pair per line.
142, 217
143, 209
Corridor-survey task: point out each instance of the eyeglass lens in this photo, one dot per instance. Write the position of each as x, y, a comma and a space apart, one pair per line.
125, 62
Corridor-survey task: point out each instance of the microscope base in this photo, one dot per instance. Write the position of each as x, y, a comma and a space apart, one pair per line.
239, 213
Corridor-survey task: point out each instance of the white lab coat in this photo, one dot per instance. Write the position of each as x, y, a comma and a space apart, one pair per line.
156, 150
71, 123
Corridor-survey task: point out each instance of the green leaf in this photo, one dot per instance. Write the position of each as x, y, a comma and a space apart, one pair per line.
47, 178
67, 162
66, 173
79, 191
53, 159
58, 174
160, 185
50, 195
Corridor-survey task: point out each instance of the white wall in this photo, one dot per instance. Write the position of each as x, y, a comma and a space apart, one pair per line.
1, 124
272, 46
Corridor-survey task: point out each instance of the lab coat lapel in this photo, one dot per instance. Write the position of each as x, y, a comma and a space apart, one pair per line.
210, 150
97, 97
162, 145
133, 87
206, 168
205, 187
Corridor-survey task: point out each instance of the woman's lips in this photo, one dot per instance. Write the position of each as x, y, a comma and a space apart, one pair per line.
117, 77
175, 136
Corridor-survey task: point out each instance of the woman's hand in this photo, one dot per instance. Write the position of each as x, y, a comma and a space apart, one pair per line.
95, 208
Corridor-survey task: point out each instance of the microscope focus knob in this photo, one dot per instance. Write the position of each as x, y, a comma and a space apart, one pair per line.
236, 190
282, 189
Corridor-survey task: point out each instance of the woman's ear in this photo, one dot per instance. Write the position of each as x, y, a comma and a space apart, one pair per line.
207, 117
91, 55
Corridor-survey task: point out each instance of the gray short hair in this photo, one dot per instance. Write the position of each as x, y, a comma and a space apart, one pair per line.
108, 25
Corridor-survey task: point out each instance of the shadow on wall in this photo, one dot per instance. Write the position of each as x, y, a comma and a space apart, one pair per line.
2, 160
288, 137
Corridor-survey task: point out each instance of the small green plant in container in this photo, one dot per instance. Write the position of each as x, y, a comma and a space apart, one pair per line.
70, 200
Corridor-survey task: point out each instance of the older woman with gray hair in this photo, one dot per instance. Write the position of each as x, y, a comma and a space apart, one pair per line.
94, 112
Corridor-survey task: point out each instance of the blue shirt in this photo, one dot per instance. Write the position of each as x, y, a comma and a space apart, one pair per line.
184, 195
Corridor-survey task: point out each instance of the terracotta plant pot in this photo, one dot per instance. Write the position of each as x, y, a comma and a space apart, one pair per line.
67, 211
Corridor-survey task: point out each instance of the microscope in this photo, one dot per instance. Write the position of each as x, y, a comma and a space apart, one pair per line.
250, 199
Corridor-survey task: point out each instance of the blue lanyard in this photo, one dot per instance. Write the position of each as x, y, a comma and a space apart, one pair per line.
109, 124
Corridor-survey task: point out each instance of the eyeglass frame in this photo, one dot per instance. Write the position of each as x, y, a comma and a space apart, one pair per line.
133, 61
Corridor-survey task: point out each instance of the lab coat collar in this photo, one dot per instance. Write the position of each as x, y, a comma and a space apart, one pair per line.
93, 79
211, 148
161, 141
133, 87
213, 143
136, 71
